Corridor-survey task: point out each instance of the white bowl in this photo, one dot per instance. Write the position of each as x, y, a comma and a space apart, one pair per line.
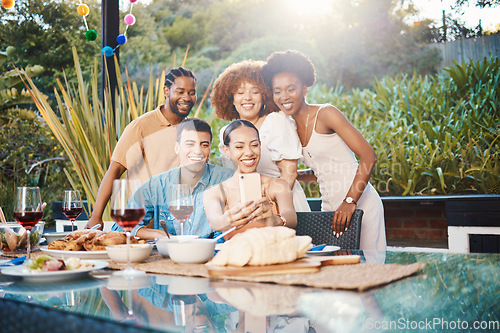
138, 252
116, 282
53, 236
161, 243
195, 251
186, 285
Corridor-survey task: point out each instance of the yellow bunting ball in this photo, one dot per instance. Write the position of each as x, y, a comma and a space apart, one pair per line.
8, 4
83, 9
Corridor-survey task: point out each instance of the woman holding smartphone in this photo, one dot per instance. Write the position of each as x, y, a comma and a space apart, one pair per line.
223, 205
329, 145
241, 93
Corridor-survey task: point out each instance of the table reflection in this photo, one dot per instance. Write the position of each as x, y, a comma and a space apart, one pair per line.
451, 287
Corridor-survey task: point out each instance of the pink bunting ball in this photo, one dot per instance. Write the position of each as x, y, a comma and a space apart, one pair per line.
129, 19
133, 1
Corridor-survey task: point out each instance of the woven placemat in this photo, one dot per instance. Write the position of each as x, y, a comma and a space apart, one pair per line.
8, 255
354, 277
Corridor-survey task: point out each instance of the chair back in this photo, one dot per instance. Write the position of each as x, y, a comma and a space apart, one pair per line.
318, 225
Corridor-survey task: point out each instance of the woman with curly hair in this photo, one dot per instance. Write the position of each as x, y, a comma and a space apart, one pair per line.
241, 93
329, 145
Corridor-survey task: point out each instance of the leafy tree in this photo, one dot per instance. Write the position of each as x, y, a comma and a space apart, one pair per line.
42, 33
25, 141
349, 42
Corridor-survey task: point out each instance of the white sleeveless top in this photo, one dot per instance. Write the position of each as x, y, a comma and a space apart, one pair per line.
335, 165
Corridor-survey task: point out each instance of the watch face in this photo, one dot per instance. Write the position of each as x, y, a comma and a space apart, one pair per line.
349, 200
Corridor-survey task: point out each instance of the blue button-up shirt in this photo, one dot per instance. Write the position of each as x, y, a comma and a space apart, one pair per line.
155, 193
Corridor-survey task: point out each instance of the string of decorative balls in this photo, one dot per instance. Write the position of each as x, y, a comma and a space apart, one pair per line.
91, 34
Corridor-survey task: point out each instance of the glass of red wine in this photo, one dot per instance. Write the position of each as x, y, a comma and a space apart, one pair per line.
127, 213
72, 206
180, 203
28, 210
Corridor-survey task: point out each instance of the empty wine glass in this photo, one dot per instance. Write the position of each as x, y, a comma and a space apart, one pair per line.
180, 203
28, 210
127, 213
72, 206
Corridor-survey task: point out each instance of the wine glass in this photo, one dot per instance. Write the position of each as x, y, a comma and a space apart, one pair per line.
180, 203
127, 213
28, 210
72, 206
129, 284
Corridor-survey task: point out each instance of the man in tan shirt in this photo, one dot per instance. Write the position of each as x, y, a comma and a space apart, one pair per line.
146, 146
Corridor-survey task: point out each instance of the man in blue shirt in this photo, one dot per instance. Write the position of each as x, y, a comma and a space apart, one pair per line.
194, 138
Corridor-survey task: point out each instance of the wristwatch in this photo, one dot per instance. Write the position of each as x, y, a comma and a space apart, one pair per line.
350, 200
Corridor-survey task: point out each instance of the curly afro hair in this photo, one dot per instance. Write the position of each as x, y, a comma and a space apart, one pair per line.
290, 61
228, 82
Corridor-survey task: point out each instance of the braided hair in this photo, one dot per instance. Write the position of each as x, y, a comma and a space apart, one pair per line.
174, 73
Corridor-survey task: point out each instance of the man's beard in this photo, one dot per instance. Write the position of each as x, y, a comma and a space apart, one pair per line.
175, 110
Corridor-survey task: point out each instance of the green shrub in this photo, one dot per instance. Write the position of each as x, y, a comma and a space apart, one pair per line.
432, 135
29, 156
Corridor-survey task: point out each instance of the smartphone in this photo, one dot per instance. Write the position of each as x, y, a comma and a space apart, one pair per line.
250, 186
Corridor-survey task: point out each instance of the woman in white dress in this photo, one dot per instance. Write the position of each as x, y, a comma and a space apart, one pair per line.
330, 144
240, 93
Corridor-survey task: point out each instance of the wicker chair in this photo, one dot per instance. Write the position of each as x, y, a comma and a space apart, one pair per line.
318, 225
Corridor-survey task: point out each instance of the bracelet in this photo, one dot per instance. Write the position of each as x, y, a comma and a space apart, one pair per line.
283, 220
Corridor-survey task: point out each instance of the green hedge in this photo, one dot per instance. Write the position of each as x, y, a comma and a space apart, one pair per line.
432, 135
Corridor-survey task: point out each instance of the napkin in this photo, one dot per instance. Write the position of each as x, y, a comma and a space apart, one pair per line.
13, 262
318, 248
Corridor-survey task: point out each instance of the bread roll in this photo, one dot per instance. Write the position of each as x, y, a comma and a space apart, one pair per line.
262, 246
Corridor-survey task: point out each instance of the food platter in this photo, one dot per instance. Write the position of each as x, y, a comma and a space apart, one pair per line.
329, 249
44, 277
60, 254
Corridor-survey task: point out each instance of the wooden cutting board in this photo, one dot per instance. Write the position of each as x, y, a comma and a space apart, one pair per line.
288, 268
335, 260
302, 265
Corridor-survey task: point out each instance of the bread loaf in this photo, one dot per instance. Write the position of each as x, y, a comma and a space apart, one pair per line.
262, 246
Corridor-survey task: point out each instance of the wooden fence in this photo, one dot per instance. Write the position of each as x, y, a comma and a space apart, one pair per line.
464, 49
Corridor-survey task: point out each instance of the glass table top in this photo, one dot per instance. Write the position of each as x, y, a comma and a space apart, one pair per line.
453, 292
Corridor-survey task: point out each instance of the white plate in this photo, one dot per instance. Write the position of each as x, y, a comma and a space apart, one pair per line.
326, 250
25, 287
59, 254
29, 276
